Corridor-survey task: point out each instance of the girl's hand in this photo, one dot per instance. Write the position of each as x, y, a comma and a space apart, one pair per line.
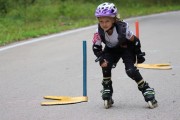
104, 63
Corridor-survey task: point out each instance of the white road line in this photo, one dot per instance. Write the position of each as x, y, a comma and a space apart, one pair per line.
44, 38
72, 31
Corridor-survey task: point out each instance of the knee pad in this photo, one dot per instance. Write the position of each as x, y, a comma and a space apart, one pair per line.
131, 72
134, 74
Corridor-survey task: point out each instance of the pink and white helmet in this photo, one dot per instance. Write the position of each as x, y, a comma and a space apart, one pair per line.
106, 9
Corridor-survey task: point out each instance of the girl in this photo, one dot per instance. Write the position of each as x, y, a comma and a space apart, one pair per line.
120, 42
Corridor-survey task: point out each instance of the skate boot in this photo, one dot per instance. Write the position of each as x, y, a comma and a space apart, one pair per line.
107, 93
149, 94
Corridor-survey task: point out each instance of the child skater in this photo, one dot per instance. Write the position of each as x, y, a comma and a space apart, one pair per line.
120, 42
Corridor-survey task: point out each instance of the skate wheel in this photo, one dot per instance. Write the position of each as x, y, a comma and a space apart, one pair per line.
152, 105
107, 104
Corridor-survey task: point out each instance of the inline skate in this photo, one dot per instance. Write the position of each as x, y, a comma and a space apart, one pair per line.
107, 93
149, 95
107, 97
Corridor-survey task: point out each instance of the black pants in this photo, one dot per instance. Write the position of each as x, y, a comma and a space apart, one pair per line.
113, 55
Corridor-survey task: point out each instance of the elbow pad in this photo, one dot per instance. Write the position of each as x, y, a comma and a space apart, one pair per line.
137, 45
137, 42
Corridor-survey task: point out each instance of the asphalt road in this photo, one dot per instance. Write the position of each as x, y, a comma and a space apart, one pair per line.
52, 65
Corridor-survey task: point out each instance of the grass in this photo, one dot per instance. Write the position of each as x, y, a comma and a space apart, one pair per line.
46, 18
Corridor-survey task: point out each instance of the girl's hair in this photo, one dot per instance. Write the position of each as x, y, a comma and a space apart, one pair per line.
117, 18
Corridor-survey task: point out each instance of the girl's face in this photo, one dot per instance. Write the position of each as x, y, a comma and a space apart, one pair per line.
106, 22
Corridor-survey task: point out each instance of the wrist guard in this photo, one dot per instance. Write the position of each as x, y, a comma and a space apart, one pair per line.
97, 50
